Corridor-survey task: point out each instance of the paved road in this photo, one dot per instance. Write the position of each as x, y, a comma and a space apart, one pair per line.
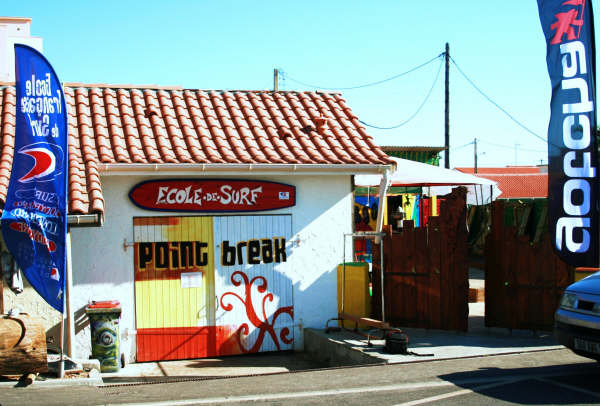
540, 378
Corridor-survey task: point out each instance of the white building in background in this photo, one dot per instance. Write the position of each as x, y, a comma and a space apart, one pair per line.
14, 30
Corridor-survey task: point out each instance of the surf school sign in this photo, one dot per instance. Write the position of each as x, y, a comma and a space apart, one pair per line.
212, 195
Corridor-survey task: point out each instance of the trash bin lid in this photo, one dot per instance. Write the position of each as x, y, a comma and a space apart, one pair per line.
105, 304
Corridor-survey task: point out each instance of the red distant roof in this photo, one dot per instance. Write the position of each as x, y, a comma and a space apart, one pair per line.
500, 170
515, 182
135, 126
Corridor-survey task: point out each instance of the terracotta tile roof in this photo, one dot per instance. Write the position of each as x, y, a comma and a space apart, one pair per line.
152, 125
516, 182
520, 186
501, 170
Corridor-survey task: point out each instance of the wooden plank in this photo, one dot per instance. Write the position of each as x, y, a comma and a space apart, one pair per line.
535, 310
495, 265
510, 281
460, 271
365, 320
445, 268
395, 293
390, 263
548, 280
434, 287
407, 283
522, 282
397, 315
421, 278
376, 281
492, 262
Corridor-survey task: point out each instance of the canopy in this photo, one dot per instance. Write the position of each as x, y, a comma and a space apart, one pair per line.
412, 173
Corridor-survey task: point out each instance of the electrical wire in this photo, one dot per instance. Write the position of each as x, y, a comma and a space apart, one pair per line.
288, 77
462, 146
437, 75
494, 103
508, 146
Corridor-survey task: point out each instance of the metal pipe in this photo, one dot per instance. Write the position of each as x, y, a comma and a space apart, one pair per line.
61, 365
382, 285
383, 186
344, 275
68, 307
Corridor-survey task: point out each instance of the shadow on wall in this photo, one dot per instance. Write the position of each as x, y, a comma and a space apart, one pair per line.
30, 302
317, 250
53, 333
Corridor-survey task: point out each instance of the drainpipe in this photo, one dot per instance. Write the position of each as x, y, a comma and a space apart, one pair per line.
383, 187
85, 220
69, 290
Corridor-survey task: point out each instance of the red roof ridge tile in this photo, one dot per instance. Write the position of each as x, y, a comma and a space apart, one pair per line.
117, 86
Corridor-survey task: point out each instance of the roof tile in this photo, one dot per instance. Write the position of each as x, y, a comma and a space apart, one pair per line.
523, 186
118, 124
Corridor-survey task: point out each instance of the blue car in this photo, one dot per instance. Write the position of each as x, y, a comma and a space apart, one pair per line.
577, 320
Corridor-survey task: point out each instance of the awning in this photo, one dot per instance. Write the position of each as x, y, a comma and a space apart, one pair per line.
412, 173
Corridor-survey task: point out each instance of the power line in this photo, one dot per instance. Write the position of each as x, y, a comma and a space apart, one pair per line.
462, 146
509, 147
494, 103
418, 109
285, 75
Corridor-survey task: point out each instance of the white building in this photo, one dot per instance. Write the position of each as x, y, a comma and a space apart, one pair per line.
14, 30
164, 187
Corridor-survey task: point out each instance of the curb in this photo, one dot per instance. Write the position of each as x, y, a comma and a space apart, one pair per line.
94, 380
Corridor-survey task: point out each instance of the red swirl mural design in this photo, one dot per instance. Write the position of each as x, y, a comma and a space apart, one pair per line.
262, 324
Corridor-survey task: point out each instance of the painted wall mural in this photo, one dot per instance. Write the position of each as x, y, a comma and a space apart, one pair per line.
211, 286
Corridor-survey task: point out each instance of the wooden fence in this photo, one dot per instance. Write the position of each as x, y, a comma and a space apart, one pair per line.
524, 279
426, 271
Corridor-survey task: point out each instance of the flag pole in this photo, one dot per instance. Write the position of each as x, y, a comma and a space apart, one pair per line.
70, 327
61, 367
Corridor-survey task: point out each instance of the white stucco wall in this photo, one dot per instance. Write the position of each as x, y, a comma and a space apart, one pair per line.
103, 269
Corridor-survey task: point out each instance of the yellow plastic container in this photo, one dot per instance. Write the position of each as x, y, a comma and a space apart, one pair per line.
357, 301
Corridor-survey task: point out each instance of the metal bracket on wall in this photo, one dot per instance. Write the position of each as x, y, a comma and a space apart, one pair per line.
127, 244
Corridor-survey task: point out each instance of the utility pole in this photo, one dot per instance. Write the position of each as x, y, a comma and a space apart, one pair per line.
475, 153
447, 109
275, 80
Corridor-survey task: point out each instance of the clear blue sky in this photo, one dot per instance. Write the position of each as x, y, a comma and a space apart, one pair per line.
230, 44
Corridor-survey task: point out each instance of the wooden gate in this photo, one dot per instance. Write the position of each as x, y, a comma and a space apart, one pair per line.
524, 278
426, 271
176, 262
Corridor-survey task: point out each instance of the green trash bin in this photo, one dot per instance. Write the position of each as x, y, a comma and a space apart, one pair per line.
104, 323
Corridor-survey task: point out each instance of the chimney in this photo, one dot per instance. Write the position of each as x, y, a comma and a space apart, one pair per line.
321, 123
